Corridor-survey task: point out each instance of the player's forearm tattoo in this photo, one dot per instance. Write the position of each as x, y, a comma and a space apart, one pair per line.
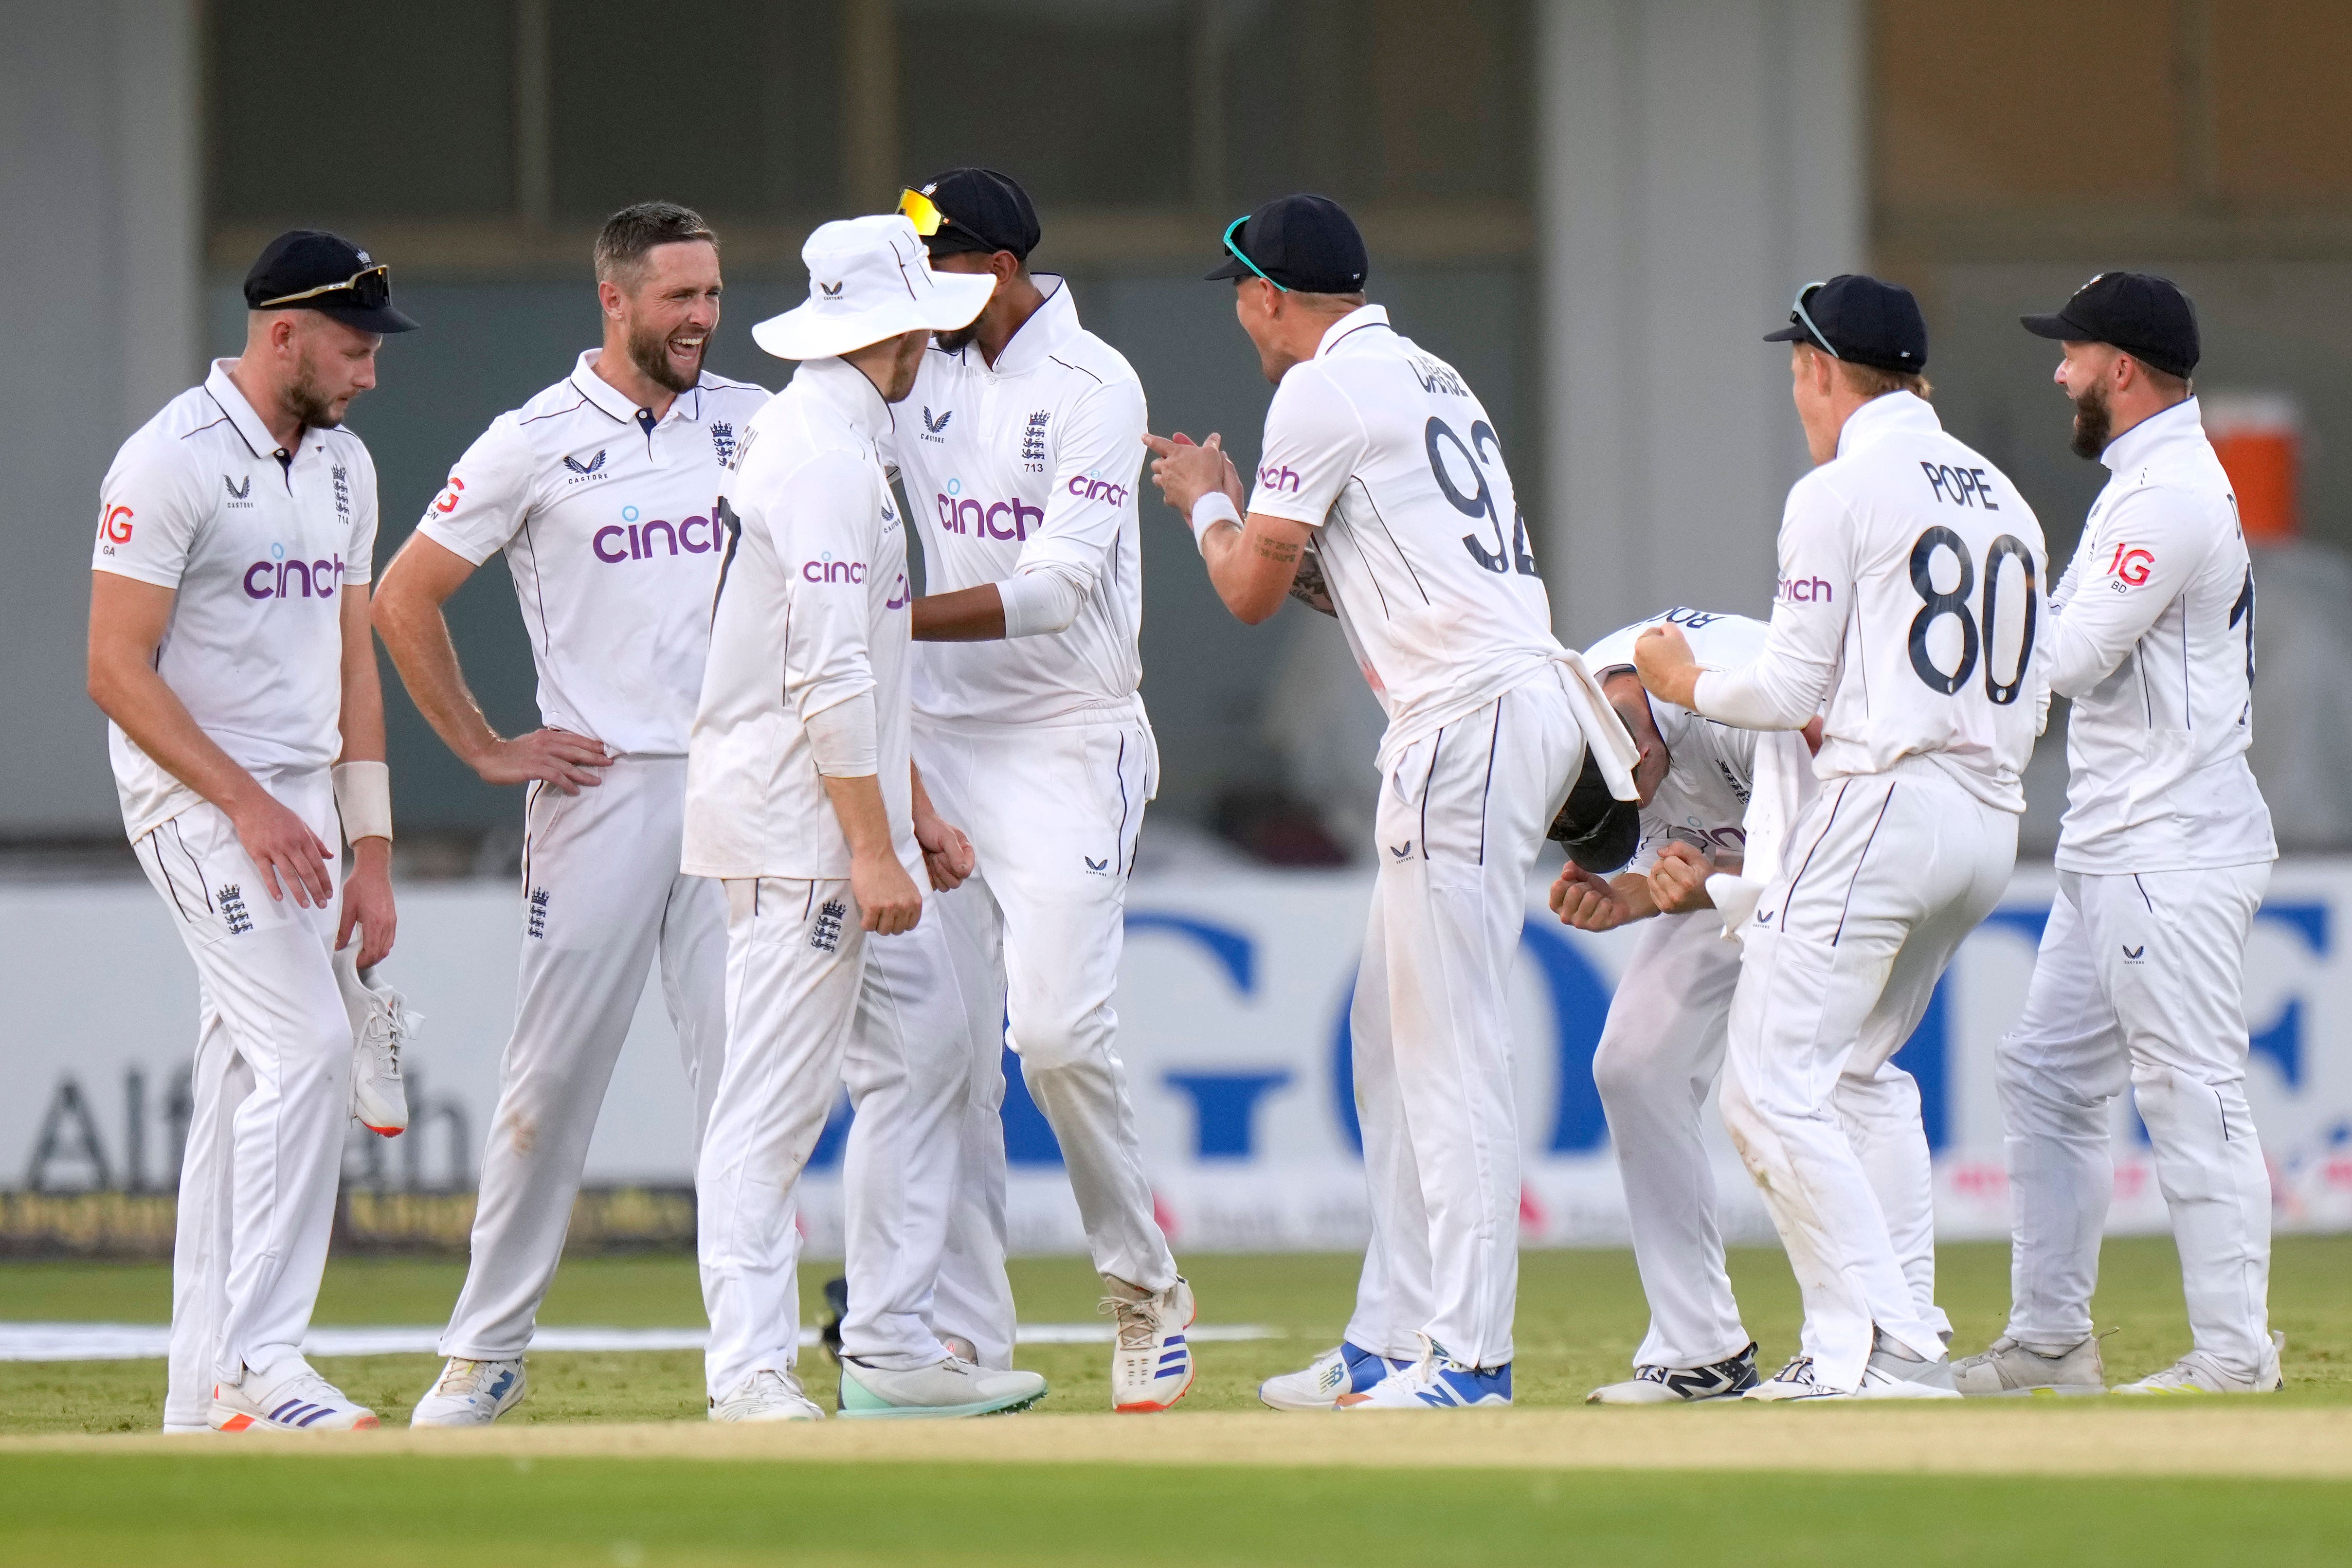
1277, 549
1308, 587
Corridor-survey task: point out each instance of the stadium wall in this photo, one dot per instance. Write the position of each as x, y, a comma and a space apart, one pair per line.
1232, 1009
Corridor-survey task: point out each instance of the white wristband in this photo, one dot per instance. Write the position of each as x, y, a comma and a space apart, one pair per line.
363, 799
1211, 509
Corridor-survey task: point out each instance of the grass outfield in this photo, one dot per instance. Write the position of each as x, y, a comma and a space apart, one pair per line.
250, 1511
1580, 1314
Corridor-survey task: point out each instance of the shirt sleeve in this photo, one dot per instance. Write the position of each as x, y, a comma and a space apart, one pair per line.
823, 522
151, 507
1315, 440
2149, 545
1783, 686
358, 554
1097, 457
487, 495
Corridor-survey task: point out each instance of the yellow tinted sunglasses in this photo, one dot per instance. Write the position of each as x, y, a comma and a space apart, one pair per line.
924, 213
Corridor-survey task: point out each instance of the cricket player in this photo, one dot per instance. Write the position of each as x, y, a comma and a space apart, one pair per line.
1910, 577
601, 492
229, 648
2163, 857
1661, 1047
802, 798
1381, 493
1021, 466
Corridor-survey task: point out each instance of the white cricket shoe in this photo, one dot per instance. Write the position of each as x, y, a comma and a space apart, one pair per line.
1151, 1362
1343, 1369
472, 1394
381, 1024
2198, 1372
1436, 1382
293, 1398
1724, 1379
2008, 1370
767, 1395
952, 1387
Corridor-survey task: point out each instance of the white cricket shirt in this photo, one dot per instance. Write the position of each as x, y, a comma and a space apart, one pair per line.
1710, 766
811, 611
257, 542
607, 518
1030, 466
2154, 642
1912, 575
1384, 450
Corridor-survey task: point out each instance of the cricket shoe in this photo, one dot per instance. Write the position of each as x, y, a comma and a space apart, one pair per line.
472, 1394
766, 1395
293, 1398
382, 1024
2008, 1370
1436, 1382
1885, 1376
1343, 1369
2198, 1372
952, 1387
1724, 1379
1151, 1360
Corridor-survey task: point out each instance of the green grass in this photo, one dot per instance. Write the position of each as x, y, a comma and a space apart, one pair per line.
1580, 1315
156, 1509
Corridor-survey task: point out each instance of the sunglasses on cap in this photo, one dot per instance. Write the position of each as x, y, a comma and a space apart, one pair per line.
1800, 317
1243, 256
925, 215
370, 287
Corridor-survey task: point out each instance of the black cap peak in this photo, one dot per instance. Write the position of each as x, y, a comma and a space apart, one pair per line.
312, 269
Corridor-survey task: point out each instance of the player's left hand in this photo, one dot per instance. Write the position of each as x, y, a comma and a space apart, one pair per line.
1663, 658
947, 855
1679, 880
1185, 472
368, 904
1587, 902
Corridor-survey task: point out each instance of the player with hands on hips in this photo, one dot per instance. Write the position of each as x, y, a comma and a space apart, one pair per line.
1910, 575
247, 737
2163, 857
1381, 495
804, 801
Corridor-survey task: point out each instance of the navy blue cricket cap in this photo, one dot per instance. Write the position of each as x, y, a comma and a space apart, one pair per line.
311, 270
1861, 320
1306, 243
975, 210
2147, 316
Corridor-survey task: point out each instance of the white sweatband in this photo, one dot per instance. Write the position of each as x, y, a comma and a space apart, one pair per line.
1213, 507
842, 737
363, 799
1040, 601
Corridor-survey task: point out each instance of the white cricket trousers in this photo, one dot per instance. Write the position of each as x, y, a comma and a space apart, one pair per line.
1034, 939
1462, 815
2140, 980
1881, 878
807, 1011
272, 1088
602, 898
1660, 1054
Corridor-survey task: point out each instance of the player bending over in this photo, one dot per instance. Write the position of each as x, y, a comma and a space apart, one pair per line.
1381, 494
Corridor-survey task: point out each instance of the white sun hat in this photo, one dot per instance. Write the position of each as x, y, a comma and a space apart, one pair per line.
870, 278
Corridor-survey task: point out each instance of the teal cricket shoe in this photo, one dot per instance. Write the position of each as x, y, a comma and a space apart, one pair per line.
952, 1387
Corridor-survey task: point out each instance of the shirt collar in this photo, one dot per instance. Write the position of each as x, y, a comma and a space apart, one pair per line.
1361, 316
2182, 421
842, 388
685, 405
1049, 326
1884, 415
248, 426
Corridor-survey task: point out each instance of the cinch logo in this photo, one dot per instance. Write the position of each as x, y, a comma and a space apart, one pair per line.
900, 596
273, 579
1085, 487
987, 519
449, 497
831, 570
1805, 590
114, 528
629, 539
1278, 479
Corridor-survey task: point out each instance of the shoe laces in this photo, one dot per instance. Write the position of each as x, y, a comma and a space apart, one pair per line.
308, 1384
463, 1377
1137, 1322
390, 1025
1650, 1375
767, 1383
1799, 1370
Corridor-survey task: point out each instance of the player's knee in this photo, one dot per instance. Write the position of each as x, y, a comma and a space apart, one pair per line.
1619, 1072
1047, 1039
